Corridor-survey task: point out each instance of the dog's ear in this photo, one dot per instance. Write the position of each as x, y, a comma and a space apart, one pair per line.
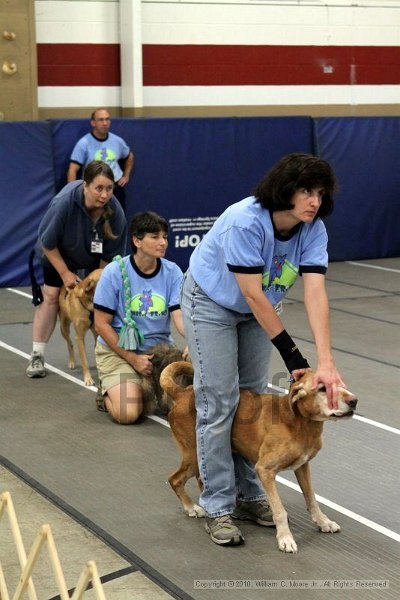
296, 392
90, 285
79, 290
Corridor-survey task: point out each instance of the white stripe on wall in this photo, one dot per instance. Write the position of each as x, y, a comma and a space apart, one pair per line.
70, 97
49, 97
269, 95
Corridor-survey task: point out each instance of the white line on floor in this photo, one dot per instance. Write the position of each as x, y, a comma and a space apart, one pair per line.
19, 293
49, 367
345, 511
341, 509
273, 387
368, 266
377, 424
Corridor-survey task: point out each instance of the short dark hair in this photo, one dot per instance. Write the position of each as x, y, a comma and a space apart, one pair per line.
96, 168
146, 222
292, 172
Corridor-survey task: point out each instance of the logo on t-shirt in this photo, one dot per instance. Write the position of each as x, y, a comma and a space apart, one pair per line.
105, 154
148, 304
282, 275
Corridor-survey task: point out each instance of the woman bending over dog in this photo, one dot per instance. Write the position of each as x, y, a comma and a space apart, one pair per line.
134, 301
83, 228
231, 299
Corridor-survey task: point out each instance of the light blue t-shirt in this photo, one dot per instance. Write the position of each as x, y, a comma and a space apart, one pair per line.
243, 240
154, 297
110, 151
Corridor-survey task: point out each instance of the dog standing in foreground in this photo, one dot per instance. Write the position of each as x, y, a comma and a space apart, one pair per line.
76, 306
276, 433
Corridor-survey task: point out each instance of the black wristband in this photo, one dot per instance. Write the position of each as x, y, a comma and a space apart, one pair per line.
290, 353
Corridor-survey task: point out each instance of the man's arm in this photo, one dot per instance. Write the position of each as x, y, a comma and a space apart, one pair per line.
72, 173
128, 166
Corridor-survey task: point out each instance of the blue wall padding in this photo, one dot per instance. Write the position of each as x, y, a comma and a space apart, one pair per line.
197, 167
65, 134
364, 152
27, 186
190, 170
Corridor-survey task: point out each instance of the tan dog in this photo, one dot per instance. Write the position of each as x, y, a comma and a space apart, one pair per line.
75, 307
276, 433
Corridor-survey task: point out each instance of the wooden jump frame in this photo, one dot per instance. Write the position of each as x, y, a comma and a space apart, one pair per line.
27, 563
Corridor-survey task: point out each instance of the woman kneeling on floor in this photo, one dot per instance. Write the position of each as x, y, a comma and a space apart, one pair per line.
133, 304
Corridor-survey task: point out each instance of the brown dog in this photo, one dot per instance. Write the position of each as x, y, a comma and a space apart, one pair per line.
75, 307
152, 393
275, 432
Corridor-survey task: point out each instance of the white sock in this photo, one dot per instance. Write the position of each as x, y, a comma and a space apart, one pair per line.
39, 347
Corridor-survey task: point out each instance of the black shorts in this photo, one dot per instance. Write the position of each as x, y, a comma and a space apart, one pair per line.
53, 279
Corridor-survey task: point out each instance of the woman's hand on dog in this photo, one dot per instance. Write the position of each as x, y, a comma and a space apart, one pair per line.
330, 377
70, 280
327, 376
142, 363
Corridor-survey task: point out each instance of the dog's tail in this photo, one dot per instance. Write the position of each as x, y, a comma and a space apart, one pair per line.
176, 377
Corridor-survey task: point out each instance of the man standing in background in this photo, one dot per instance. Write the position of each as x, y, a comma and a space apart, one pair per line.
102, 145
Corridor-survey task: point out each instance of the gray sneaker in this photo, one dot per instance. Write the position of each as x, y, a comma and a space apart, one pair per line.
258, 511
36, 365
223, 532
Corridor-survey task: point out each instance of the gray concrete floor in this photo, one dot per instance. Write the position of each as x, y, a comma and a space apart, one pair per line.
102, 487
75, 547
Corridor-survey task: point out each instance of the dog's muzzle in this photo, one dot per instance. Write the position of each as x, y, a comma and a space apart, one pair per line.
345, 415
351, 403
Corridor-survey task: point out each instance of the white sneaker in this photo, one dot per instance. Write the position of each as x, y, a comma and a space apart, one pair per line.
36, 365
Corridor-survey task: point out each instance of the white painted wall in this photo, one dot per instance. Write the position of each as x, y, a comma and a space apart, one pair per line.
331, 22
252, 22
77, 21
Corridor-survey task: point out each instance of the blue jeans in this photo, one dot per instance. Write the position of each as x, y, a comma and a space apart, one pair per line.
228, 350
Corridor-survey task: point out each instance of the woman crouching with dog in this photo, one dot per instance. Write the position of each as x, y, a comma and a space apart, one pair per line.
83, 228
134, 301
232, 293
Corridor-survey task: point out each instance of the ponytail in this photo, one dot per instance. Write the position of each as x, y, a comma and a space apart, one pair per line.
108, 232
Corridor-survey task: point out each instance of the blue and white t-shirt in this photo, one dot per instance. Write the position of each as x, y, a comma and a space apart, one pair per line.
154, 297
110, 151
243, 240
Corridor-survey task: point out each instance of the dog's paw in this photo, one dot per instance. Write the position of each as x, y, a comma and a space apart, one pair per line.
196, 512
287, 544
88, 381
329, 527
71, 364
